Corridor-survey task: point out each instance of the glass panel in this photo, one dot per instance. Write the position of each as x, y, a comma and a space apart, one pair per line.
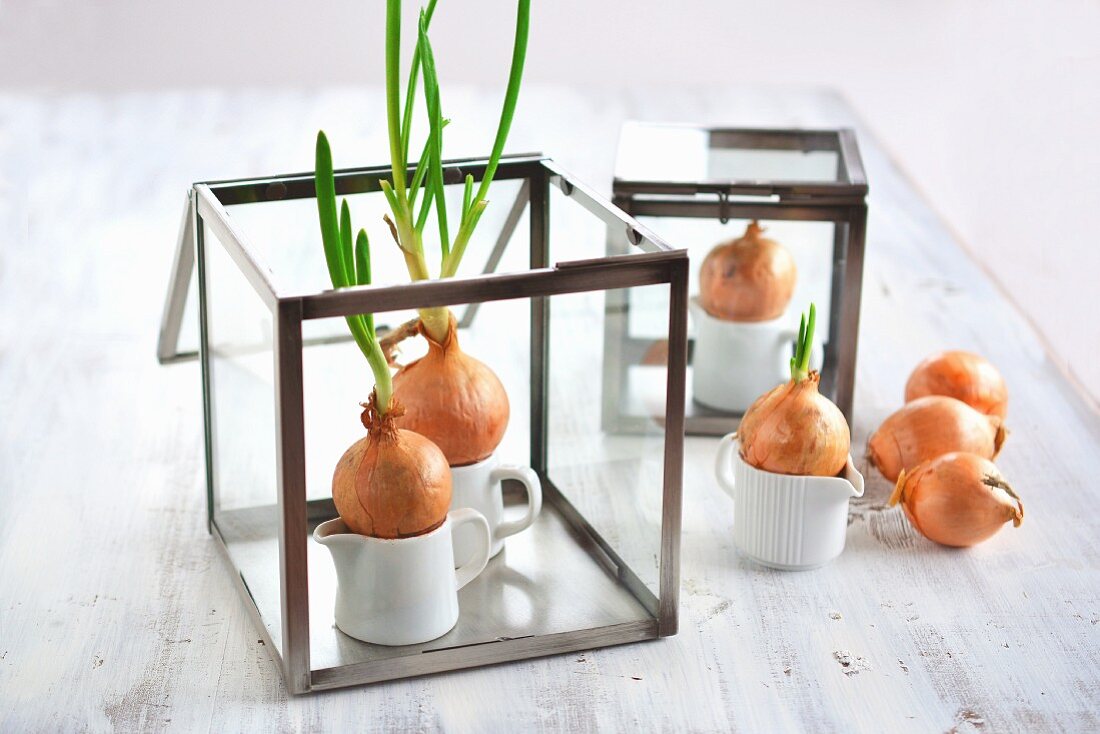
733, 164
243, 435
610, 471
688, 155
757, 361
286, 239
338, 378
545, 580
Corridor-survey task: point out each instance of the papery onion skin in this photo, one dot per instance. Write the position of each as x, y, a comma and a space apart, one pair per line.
454, 400
794, 429
958, 499
750, 278
392, 483
962, 375
929, 427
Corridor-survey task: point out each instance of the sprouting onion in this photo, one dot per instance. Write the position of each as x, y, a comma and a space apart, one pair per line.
794, 429
426, 186
447, 396
393, 483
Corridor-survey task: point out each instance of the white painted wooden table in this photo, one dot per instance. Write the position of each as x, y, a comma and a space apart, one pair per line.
115, 611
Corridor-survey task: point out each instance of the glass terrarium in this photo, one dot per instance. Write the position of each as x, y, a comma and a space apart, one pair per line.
282, 382
699, 187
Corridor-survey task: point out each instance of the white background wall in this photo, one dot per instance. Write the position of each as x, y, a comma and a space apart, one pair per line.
992, 107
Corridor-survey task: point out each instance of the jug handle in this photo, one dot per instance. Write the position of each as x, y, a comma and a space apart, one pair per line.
468, 571
526, 476
854, 478
723, 462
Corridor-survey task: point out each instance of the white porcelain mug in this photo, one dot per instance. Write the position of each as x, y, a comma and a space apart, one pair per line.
783, 521
402, 591
478, 486
735, 362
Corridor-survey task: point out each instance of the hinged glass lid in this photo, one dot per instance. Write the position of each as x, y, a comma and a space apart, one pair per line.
688, 160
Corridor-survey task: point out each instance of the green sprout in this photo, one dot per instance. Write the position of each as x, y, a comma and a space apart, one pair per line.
348, 258
800, 362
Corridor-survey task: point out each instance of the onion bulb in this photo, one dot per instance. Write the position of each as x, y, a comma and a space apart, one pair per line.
794, 429
962, 375
453, 400
929, 427
747, 279
957, 499
393, 483
656, 355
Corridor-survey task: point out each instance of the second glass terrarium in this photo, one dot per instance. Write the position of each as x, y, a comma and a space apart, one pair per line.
699, 187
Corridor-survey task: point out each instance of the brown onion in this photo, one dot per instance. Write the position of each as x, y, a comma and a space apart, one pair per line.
393, 483
957, 499
929, 427
962, 375
794, 429
747, 279
656, 354
454, 400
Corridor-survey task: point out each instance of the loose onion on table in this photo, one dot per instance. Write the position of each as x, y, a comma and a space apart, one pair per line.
454, 400
794, 429
393, 483
929, 427
958, 499
962, 375
750, 278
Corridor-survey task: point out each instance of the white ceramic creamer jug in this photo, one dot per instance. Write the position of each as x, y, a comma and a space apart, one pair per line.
478, 486
784, 521
401, 591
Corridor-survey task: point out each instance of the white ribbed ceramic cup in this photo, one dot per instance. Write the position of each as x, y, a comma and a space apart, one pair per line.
782, 521
735, 362
402, 591
478, 486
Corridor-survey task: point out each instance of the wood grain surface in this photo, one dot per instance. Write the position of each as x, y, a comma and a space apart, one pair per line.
117, 614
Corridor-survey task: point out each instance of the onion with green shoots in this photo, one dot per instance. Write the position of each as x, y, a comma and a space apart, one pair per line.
794, 429
447, 396
393, 483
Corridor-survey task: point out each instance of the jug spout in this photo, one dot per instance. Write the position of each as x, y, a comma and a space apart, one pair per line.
326, 533
853, 478
340, 541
